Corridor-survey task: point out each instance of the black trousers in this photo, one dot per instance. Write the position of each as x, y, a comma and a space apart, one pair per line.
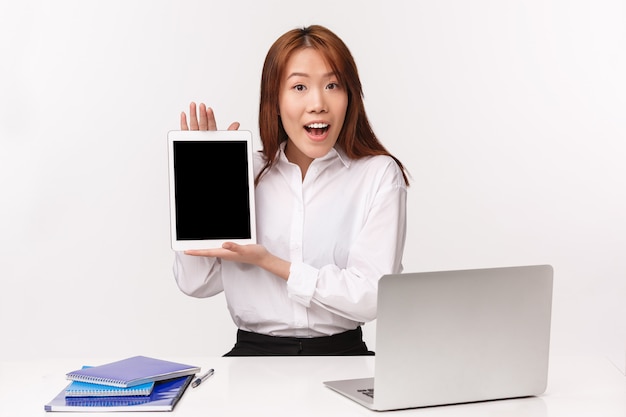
341, 344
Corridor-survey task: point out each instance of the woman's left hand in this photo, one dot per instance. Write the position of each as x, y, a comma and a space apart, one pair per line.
249, 254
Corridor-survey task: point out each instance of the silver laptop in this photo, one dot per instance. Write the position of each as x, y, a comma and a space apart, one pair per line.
458, 336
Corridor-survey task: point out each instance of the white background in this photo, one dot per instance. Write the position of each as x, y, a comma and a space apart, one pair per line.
509, 115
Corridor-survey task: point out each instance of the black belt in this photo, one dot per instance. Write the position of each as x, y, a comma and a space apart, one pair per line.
255, 344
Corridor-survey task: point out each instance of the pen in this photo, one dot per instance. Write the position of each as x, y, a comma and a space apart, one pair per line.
202, 378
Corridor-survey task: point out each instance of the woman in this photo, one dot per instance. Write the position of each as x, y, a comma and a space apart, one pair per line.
330, 203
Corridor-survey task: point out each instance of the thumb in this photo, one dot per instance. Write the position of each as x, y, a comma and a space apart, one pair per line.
229, 246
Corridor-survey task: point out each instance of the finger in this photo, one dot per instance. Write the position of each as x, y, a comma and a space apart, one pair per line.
212, 253
203, 123
234, 126
230, 246
210, 115
193, 118
183, 121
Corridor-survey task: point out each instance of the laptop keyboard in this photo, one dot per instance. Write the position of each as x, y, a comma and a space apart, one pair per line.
367, 391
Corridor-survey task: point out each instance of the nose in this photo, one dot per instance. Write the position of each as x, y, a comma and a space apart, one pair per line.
317, 101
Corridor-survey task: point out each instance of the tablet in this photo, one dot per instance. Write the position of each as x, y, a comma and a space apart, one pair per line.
211, 181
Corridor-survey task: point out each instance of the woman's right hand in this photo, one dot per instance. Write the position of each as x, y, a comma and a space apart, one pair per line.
204, 119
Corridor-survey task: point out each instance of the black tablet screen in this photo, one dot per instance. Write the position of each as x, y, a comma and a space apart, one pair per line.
211, 182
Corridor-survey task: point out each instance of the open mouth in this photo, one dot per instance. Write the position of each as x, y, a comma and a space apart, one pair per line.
317, 129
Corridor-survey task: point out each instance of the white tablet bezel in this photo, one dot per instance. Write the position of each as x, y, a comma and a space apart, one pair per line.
211, 135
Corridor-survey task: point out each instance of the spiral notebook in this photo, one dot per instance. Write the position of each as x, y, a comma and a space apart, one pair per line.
87, 389
132, 371
164, 397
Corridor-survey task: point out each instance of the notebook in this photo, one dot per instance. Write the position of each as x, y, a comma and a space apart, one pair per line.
458, 336
86, 389
132, 371
211, 178
164, 397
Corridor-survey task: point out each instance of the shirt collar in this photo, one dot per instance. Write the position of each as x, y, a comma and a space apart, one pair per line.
334, 153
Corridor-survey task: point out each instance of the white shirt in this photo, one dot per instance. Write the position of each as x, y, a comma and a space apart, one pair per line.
342, 228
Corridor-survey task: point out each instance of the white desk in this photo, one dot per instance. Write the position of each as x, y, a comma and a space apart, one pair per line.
277, 387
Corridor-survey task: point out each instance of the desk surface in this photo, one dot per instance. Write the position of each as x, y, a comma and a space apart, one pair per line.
577, 386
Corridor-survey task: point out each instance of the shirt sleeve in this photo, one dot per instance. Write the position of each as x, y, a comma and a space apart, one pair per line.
301, 283
351, 291
198, 276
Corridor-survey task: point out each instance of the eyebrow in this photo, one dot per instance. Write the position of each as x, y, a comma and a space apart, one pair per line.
302, 74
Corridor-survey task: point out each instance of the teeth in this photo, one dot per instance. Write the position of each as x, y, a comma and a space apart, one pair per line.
317, 126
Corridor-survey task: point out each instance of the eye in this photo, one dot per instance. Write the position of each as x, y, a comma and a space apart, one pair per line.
299, 87
332, 86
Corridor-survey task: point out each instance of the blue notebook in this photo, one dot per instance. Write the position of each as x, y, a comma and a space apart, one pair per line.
87, 389
132, 371
164, 397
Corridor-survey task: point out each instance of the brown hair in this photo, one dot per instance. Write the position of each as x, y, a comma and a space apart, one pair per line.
356, 139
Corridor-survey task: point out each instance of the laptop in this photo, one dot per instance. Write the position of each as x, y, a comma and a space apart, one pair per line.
452, 337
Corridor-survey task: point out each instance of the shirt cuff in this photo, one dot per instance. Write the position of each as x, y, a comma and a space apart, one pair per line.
301, 283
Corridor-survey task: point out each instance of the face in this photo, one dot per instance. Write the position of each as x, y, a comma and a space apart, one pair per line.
312, 106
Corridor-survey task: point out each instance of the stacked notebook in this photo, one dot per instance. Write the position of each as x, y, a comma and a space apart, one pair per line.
138, 383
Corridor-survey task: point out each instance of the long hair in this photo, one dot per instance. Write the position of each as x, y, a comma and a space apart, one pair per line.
356, 138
